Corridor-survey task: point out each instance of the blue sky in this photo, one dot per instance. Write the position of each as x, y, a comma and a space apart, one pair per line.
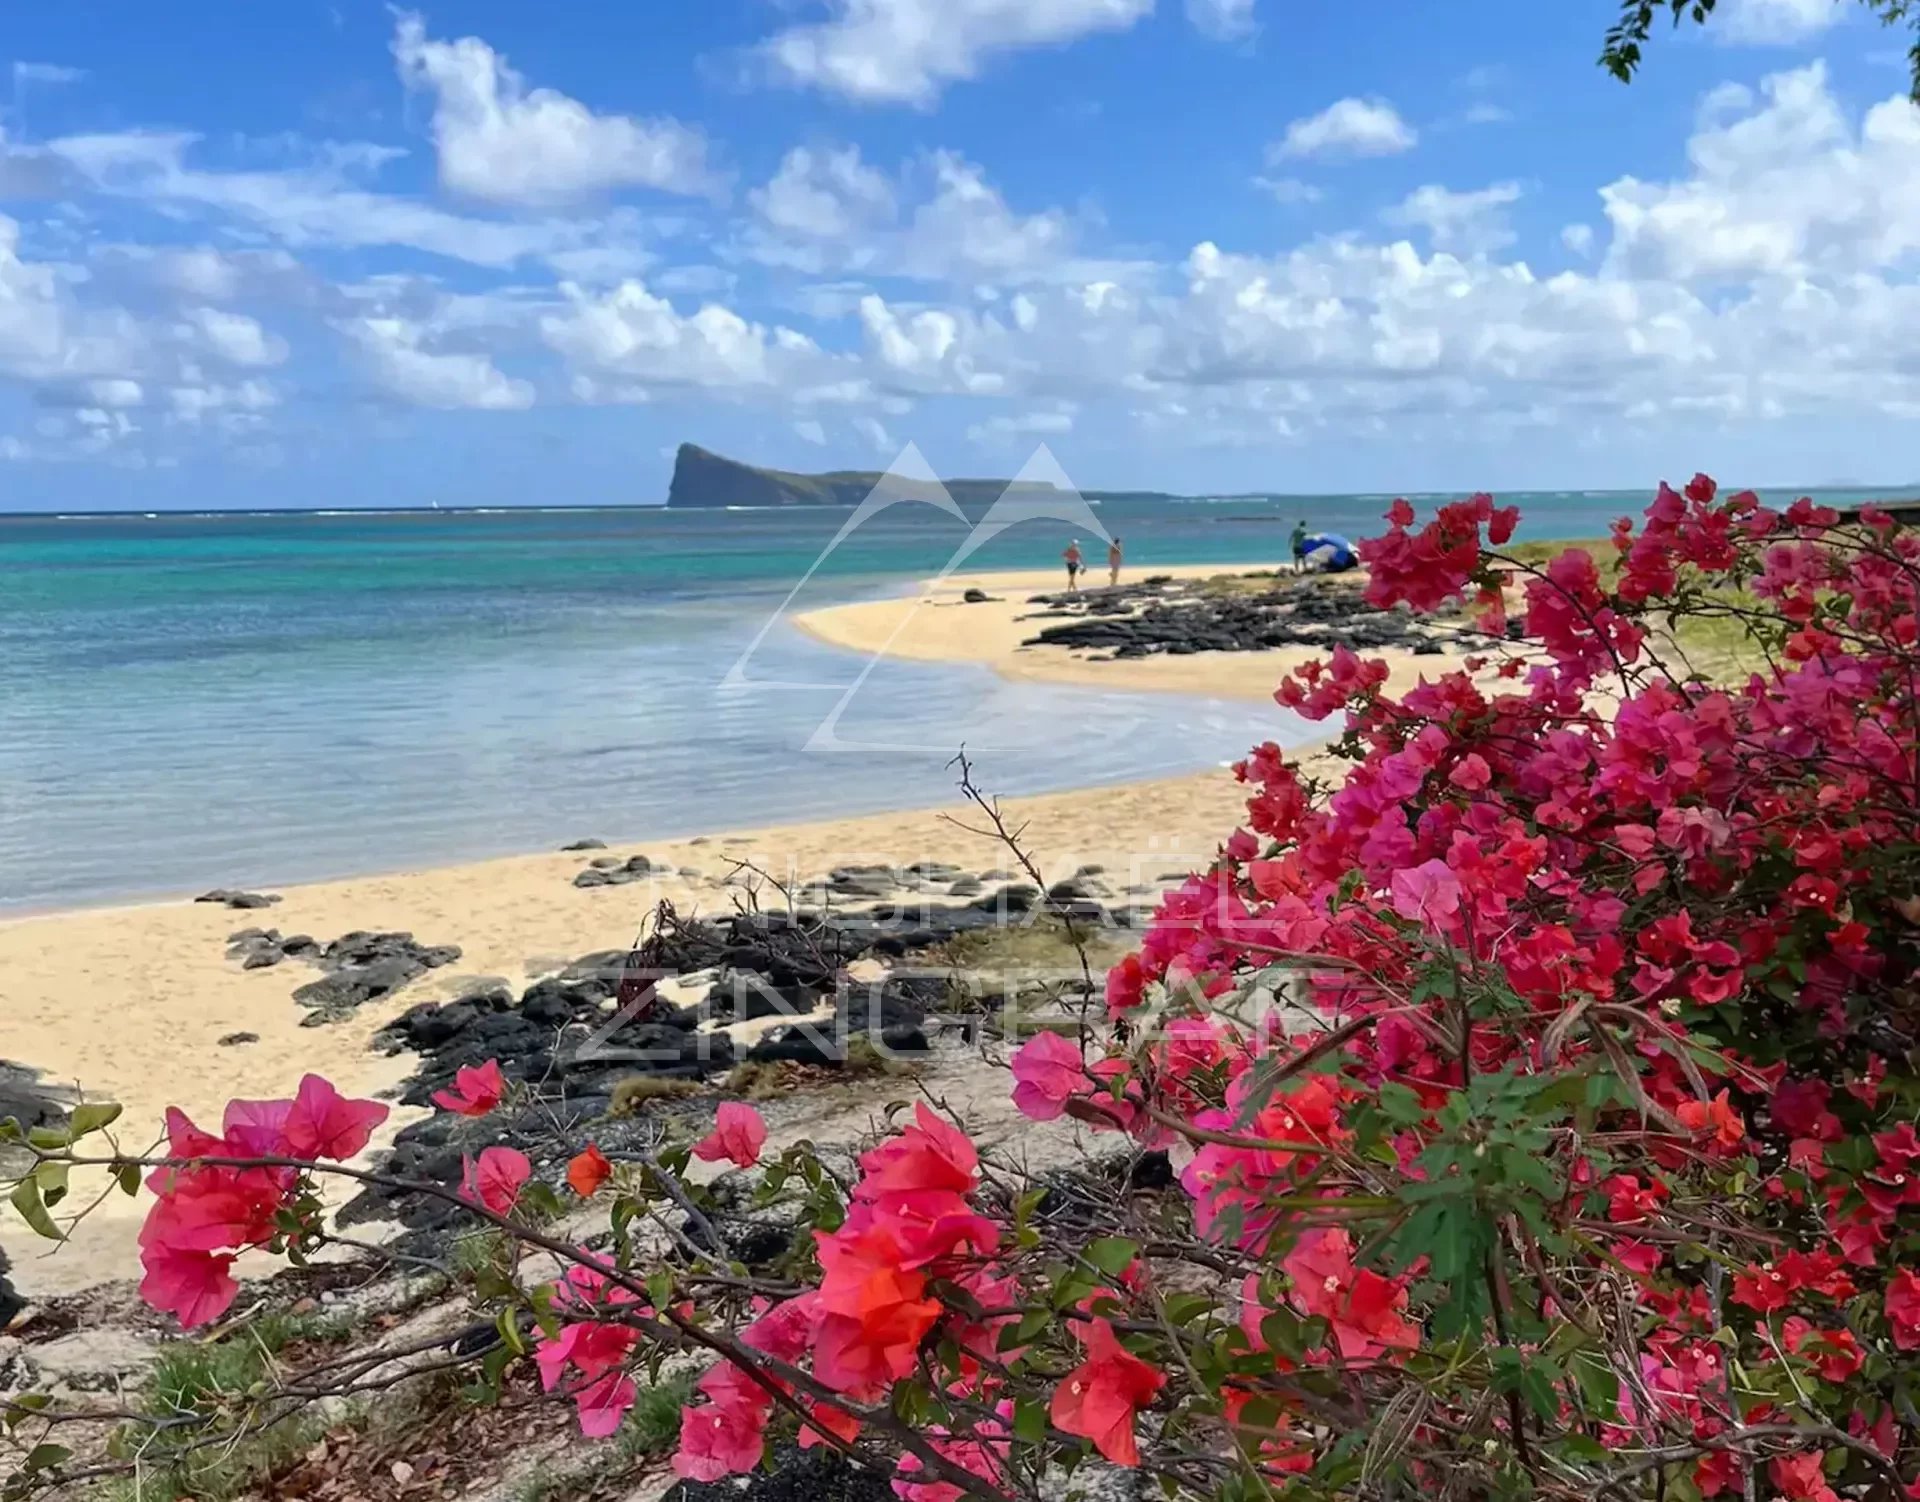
347, 254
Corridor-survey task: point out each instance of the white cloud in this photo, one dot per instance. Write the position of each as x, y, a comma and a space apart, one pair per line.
875, 432
115, 392
1288, 191
399, 364
46, 336
1785, 188
1347, 127
825, 193
1578, 238
1772, 23
1473, 222
908, 51
501, 142
811, 431
1009, 427
630, 335
1223, 20
236, 338
827, 210
45, 73
315, 204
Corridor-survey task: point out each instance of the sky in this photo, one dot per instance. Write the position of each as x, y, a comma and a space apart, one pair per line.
333, 253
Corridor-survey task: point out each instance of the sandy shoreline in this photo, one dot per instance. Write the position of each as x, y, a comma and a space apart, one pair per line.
934, 624
131, 1003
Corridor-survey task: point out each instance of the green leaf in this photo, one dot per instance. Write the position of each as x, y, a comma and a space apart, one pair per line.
90, 1116
51, 1176
45, 1457
1540, 1393
128, 1175
1030, 1421
509, 1327
26, 1200
1113, 1255
23, 1406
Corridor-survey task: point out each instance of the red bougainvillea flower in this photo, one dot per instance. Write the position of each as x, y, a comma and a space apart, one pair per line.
738, 1135
1800, 1478
588, 1171
1835, 1354
1098, 1399
930, 1154
496, 1180
323, 1124
1048, 1071
1903, 1308
874, 1310
477, 1089
1715, 1117
1365, 1310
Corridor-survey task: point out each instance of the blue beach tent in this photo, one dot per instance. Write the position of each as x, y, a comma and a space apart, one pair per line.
1330, 552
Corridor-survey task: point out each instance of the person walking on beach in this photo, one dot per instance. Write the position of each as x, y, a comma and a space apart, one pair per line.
1114, 559
1300, 547
1074, 561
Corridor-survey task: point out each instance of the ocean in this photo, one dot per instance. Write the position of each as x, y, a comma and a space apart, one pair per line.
246, 699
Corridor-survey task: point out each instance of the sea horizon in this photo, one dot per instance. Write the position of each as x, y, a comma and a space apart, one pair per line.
228, 699
1636, 497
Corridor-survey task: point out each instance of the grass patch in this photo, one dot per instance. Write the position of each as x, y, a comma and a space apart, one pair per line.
653, 1426
631, 1095
207, 1440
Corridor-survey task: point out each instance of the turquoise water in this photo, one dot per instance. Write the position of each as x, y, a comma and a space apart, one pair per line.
239, 700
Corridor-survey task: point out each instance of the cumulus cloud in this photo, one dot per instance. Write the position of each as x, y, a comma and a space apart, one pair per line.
1472, 222
394, 353
1785, 187
1772, 23
1008, 428
504, 143
629, 335
45, 73
908, 51
319, 202
236, 338
1346, 128
828, 211
1223, 20
1288, 191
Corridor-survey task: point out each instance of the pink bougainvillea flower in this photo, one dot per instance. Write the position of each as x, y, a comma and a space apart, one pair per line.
1048, 1072
718, 1440
1099, 1399
196, 1287
1428, 892
737, 1137
604, 1403
255, 1129
477, 1089
496, 1180
324, 1124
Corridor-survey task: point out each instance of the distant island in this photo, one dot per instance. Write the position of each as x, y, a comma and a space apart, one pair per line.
703, 479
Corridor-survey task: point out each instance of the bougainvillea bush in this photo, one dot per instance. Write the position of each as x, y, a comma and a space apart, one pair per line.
1539, 1099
